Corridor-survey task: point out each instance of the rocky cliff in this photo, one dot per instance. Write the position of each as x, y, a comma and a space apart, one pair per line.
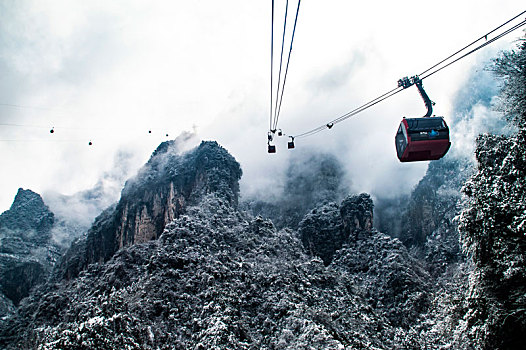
217, 277
28, 218
158, 194
27, 252
395, 284
493, 230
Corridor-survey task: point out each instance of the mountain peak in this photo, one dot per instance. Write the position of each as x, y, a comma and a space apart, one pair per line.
29, 216
160, 192
205, 169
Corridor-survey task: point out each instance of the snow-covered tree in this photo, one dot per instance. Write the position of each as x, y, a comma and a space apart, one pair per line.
493, 224
511, 66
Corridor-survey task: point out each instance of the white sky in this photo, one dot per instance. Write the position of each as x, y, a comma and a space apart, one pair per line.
109, 71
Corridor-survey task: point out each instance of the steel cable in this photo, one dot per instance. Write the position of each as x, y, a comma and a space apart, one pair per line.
399, 89
287, 68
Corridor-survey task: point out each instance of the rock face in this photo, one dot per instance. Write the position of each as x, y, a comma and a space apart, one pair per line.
493, 229
161, 192
215, 278
325, 229
425, 221
28, 217
27, 253
395, 284
357, 215
321, 232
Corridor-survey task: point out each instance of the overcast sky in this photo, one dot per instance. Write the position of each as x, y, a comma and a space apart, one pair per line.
110, 71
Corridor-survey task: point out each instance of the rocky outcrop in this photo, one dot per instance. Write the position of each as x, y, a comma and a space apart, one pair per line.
159, 193
325, 229
215, 279
321, 232
357, 216
27, 253
493, 229
395, 284
433, 203
28, 218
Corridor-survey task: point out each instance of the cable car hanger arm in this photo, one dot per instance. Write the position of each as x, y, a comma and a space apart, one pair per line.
406, 82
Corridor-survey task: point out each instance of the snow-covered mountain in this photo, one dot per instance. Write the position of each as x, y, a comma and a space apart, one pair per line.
27, 251
179, 263
215, 276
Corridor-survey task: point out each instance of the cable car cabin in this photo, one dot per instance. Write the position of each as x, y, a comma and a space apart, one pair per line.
420, 139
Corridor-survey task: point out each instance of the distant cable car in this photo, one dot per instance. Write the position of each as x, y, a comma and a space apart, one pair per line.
290, 144
270, 136
425, 138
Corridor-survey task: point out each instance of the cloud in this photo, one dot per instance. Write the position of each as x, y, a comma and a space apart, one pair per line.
75, 213
78, 210
110, 71
474, 111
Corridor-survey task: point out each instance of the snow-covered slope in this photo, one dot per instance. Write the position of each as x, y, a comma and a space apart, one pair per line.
217, 277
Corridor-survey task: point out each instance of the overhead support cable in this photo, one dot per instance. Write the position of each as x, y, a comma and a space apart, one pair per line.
439, 66
280, 64
287, 68
355, 111
517, 26
485, 36
271, 64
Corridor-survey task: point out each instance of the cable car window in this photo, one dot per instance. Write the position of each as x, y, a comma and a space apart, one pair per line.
425, 123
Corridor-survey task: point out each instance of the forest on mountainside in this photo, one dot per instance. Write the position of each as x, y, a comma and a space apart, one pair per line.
493, 224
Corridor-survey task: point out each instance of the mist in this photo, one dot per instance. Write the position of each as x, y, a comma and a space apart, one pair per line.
127, 76
75, 213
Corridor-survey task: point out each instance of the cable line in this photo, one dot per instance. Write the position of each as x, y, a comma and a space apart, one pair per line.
271, 64
280, 64
400, 88
477, 48
33, 107
287, 68
275, 105
485, 36
83, 128
355, 111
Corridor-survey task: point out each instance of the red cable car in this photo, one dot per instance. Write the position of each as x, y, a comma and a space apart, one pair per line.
425, 138
422, 139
